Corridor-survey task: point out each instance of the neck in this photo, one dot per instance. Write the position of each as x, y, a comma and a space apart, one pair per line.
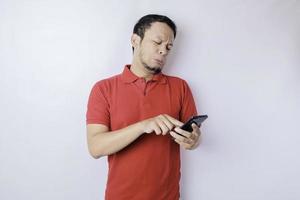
139, 70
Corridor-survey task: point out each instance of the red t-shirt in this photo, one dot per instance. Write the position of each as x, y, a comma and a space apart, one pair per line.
148, 168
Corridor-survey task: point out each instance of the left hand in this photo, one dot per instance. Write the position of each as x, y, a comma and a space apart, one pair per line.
191, 139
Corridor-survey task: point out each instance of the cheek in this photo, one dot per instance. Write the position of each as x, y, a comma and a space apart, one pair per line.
150, 49
147, 53
142, 55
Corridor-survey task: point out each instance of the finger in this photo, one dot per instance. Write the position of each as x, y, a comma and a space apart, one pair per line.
167, 122
195, 135
176, 136
173, 120
162, 126
183, 132
181, 138
182, 144
195, 128
156, 128
195, 145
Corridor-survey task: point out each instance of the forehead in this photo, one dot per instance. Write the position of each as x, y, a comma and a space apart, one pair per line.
160, 30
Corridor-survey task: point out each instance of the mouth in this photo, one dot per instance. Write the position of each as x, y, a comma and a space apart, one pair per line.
159, 62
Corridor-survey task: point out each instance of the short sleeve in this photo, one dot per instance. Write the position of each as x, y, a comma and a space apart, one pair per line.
98, 106
188, 107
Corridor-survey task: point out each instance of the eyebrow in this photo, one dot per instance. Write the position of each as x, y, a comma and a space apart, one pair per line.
159, 38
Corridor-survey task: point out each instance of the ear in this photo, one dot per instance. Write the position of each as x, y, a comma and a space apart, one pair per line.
135, 40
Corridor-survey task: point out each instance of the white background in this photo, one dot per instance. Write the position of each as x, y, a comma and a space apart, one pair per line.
240, 58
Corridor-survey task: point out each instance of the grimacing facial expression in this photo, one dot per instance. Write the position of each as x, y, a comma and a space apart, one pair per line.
155, 47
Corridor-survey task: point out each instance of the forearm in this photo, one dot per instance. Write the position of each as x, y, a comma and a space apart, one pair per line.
103, 144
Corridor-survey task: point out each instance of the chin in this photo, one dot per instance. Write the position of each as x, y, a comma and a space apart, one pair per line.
153, 69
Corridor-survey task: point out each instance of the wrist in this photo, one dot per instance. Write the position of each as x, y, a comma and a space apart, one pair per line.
141, 127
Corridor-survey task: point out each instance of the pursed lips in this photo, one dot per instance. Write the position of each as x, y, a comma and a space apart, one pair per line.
161, 62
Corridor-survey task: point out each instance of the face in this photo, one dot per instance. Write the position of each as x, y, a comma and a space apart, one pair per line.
152, 51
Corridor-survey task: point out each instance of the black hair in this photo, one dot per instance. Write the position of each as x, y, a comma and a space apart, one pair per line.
145, 22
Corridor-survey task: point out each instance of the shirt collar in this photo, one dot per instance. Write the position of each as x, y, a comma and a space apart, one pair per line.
129, 77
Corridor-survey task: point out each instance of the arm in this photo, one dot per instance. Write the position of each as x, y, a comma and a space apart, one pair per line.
188, 109
102, 142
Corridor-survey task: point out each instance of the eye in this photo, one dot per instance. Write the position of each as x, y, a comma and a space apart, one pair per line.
157, 42
169, 47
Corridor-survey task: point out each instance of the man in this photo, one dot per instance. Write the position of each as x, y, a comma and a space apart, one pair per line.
134, 119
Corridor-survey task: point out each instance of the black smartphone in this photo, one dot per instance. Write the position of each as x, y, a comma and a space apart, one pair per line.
196, 119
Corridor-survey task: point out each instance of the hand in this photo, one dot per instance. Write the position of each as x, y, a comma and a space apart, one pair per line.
160, 124
191, 139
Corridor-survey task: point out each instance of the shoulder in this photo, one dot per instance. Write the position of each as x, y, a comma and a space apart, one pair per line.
176, 81
179, 85
107, 83
104, 87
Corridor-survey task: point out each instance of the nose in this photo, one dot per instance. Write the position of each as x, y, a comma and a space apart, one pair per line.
163, 51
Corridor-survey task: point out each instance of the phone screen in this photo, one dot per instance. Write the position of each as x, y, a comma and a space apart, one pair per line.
196, 119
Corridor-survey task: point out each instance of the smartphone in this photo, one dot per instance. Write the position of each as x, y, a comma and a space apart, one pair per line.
196, 119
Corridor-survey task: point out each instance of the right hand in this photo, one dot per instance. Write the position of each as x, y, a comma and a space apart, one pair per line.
160, 124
